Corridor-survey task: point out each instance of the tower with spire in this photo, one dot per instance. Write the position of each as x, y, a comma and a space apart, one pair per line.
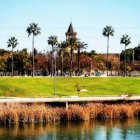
70, 32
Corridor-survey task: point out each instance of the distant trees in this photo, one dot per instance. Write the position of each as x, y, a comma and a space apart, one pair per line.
22, 63
4, 54
107, 32
71, 59
132, 57
129, 55
52, 40
126, 40
62, 50
80, 46
137, 52
12, 42
34, 30
72, 44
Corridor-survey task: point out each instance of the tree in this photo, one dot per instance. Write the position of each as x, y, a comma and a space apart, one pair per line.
12, 42
72, 44
52, 40
21, 61
107, 32
126, 40
4, 55
34, 30
62, 50
129, 55
80, 46
137, 52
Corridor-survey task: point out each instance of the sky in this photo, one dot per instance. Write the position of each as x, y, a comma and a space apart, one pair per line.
88, 17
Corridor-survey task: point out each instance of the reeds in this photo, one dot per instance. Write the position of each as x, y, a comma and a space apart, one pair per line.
20, 114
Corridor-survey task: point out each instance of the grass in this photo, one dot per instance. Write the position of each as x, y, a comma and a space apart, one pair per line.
21, 114
43, 86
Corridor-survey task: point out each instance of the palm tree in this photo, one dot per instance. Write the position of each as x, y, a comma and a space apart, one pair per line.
126, 40
72, 44
107, 32
62, 49
34, 30
12, 42
80, 46
52, 40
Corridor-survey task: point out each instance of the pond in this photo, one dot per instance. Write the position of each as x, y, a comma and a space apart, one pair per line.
93, 130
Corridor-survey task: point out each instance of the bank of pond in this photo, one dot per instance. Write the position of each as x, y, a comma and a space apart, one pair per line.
41, 113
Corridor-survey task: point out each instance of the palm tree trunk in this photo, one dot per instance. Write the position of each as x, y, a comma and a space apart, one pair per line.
78, 53
55, 76
62, 65
49, 64
12, 64
125, 62
52, 62
107, 53
33, 56
119, 67
71, 55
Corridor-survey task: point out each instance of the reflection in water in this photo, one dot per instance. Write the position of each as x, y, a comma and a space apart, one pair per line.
95, 130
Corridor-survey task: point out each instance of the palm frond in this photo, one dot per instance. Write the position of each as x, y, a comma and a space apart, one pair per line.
108, 31
12, 42
33, 29
52, 40
125, 39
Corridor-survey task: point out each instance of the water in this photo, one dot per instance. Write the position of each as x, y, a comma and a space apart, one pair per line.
95, 130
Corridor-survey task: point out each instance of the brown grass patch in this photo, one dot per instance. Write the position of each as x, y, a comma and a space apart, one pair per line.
17, 113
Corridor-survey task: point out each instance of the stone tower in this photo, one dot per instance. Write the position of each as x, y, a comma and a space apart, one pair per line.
70, 33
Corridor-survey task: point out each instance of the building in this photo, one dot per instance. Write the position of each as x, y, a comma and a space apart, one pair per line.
70, 32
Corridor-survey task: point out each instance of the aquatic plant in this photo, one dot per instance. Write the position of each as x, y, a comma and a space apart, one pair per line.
37, 113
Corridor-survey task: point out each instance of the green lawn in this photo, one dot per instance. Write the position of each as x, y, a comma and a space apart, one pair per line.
43, 86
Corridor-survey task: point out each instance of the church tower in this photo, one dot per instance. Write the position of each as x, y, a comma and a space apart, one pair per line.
70, 33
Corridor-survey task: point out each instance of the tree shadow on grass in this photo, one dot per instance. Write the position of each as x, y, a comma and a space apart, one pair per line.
61, 95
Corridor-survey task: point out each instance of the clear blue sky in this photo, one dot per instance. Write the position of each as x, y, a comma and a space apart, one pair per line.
53, 16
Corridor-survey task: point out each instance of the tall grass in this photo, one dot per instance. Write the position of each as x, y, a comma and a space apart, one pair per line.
20, 114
